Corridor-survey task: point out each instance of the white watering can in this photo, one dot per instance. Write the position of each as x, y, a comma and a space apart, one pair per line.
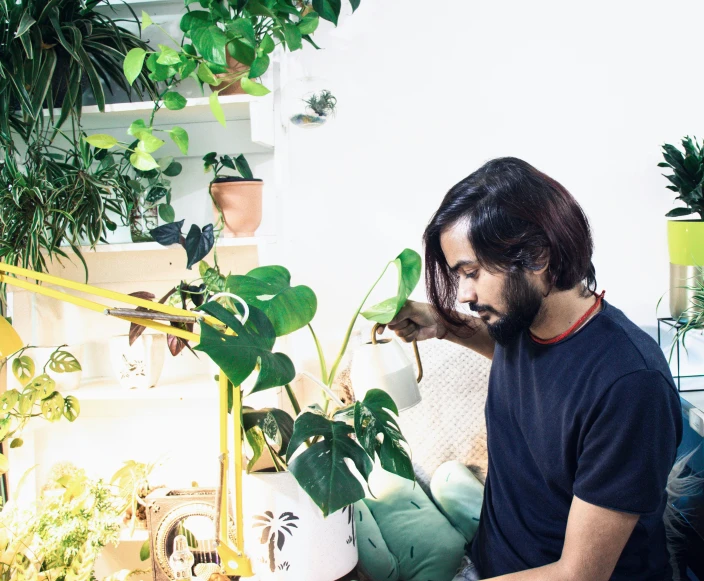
383, 364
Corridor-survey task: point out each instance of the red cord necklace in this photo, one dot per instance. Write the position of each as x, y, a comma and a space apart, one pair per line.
573, 327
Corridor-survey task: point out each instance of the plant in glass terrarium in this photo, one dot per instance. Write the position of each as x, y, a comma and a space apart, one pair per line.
320, 106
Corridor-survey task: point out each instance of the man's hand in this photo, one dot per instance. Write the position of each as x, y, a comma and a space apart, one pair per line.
594, 541
416, 321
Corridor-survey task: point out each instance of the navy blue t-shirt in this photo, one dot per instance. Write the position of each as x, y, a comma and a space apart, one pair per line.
597, 416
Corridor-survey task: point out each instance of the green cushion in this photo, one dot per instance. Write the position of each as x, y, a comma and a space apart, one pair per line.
375, 559
425, 544
459, 495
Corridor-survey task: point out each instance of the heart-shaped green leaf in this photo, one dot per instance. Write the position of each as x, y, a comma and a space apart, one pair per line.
238, 355
293, 36
409, 265
101, 140
180, 138
148, 143
216, 108
143, 160
210, 43
371, 419
146, 20
321, 469
253, 88
199, 243
309, 23
174, 101
328, 9
132, 66
269, 289
168, 56
167, 213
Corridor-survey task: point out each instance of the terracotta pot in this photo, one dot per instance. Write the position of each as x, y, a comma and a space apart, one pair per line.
241, 204
234, 88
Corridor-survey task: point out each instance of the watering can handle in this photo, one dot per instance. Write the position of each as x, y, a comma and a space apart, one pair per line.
415, 351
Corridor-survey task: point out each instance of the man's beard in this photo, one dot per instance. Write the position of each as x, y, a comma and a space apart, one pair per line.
523, 302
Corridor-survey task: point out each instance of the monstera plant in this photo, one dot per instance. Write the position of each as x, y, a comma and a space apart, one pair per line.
315, 445
275, 309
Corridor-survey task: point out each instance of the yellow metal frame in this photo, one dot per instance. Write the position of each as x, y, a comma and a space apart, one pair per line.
234, 560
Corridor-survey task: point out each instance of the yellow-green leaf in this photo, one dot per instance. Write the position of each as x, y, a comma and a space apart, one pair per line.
216, 108
206, 75
43, 385
4, 428
134, 61
149, 143
63, 362
27, 399
53, 407
23, 369
8, 400
4, 464
143, 161
16, 442
168, 56
180, 138
72, 408
253, 88
137, 128
101, 140
146, 20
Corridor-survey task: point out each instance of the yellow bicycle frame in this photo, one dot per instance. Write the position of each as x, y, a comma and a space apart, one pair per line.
234, 560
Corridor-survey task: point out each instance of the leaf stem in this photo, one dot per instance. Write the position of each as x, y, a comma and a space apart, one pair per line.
292, 398
321, 356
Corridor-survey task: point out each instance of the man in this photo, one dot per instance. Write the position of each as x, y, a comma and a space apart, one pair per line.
583, 417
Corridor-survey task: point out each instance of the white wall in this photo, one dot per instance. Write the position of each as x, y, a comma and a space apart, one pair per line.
428, 91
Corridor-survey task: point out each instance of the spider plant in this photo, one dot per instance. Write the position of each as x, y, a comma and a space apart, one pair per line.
49, 49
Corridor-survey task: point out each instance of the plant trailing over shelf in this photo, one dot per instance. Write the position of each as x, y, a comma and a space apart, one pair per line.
38, 396
57, 199
688, 176
247, 31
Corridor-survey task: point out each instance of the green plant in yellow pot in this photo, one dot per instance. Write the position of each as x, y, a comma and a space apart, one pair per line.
685, 237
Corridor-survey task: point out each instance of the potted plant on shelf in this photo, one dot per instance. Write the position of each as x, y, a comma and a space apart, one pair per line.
237, 200
685, 237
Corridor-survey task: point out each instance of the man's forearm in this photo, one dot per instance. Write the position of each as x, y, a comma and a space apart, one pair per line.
552, 572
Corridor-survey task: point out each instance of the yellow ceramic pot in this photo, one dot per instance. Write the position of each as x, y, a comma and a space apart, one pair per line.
685, 242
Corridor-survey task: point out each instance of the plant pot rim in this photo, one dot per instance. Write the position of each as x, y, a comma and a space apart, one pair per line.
234, 179
687, 220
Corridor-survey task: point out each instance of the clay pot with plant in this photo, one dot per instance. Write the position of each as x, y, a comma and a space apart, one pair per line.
237, 200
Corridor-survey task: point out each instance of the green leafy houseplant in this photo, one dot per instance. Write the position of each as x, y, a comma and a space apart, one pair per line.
60, 538
49, 49
687, 177
277, 309
38, 397
247, 31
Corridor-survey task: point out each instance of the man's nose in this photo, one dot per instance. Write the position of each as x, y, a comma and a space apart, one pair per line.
466, 292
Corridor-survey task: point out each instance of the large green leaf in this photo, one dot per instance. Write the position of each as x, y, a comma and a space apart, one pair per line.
294, 38
101, 140
269, 289
180, 137
216, 108
409, 266
174, 101
253, 88
210, 43
134, 61
321, 469
238, 355
309, 23
328, 9
372, 419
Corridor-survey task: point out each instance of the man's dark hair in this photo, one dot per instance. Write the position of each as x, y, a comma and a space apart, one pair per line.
517, 218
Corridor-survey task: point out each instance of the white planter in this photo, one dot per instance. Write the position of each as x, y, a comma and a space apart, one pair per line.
286, 536
138, 366
40, 356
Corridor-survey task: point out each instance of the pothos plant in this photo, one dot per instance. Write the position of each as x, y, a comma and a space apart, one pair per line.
315, 445
248, 31
38, 396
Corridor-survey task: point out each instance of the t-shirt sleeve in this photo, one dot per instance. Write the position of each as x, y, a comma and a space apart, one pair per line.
628, 444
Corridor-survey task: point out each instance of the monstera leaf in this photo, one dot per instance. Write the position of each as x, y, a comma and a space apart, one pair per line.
409, 265
321, 469
238, 355
270, 426
269, 288
371, 419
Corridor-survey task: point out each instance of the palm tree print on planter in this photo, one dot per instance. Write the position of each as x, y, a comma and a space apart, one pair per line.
274, 530
349, 509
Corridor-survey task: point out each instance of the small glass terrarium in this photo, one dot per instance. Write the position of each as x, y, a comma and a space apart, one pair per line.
320, 106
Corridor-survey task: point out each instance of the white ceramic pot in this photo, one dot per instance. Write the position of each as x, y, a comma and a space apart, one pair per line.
40, 355
138, 366
385, 366
286, 536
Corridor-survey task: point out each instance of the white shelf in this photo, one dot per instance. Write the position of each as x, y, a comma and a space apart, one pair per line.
151, 246
109, 390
